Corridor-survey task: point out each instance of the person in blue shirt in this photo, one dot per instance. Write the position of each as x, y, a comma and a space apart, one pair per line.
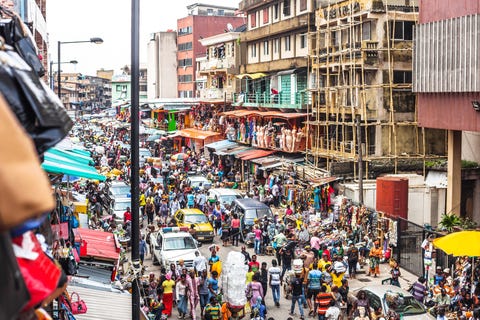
213, 284
190, 200
142, 249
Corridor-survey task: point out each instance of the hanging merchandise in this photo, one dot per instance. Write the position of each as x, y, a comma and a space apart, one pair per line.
40, 273
25, 190
36, 106
13, 290
17, 35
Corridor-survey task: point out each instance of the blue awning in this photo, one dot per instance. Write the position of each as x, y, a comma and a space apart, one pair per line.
60, 162
222, 144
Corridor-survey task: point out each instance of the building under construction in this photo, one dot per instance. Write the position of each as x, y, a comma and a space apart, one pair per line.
363, 107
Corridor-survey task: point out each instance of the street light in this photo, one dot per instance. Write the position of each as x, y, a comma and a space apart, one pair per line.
51, 70
95, 40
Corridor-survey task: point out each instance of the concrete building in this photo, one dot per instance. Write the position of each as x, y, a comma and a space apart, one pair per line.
216, 71
362, 91
447, 80
162, 65
202, 21
274, 71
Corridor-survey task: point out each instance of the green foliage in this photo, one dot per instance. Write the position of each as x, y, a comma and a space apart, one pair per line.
469, 164
467, 224
429, 164
450, 221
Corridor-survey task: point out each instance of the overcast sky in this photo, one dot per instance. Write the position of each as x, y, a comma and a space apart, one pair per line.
76, 20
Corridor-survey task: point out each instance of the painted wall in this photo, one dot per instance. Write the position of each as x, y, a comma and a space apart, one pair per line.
434, 10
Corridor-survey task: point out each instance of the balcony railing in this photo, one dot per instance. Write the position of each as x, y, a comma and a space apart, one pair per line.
299, 100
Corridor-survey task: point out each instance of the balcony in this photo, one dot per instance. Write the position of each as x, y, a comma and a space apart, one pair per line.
227, 64
214, 93
278, 28
298, 101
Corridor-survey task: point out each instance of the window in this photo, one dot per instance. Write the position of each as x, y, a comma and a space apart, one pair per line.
184, 46
367, 31
185, 78
276, 11
401, 30
303, 41
209, 12
185, 62
286, 7
143, 87
254, 50
253, 20
303, 5
185, 30
287, 43
221, 12
265, 47
402, 76
185, 94
275, 45
265, 16
120, 87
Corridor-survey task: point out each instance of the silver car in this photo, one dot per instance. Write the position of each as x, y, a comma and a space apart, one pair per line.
407, 307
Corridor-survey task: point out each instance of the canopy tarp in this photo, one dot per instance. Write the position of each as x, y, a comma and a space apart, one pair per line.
196, 134
222, 144
72, 155
57, 163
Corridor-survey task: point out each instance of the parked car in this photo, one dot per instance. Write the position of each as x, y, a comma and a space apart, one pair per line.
223, 195
203, 228
170, 244
379, 295
198, 182
248, 211
119, 207
116, 189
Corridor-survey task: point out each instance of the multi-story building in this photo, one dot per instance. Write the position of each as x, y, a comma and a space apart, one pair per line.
162, 65
447, 81
217, 70
202, 21
274, 71
363, 105
121, 85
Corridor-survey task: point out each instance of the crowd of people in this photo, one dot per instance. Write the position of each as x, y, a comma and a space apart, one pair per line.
317, 245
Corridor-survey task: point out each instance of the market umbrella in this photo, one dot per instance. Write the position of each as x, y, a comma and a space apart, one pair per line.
153, 137
462, 243
179, 156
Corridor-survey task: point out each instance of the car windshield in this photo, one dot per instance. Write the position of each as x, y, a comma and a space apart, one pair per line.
262, 213
183, 243
121, 206
195, 218
409, 306
251, 214
120, 190
228, 199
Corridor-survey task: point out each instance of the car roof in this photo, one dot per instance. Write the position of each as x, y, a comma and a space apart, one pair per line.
191, 211
225, 191
380, 290
250, 203
119, 183
123, 199
180, 234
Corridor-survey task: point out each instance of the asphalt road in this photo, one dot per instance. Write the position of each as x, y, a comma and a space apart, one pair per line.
281, 313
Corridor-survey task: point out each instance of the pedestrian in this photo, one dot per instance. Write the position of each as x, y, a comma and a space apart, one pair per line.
375, 255
193, 293
394, 273
419, 290
352, 257
274, 281
181, 290
296, 287
203, 291
212, 310
167, 286
254, 289
254, 264
199, 263
333, 312
314, 278
235, 229
246, 255
264, 279
142, 248
258, 238
323, 301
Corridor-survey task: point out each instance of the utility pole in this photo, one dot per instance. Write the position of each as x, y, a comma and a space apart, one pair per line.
358, 120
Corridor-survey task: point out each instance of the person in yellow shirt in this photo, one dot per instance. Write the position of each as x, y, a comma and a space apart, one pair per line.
323, 262
249, 276
142, 202
167, 298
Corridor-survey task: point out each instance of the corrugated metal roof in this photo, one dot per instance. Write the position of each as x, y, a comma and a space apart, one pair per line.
102, 304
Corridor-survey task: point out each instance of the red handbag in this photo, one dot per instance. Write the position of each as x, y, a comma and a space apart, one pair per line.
79, 306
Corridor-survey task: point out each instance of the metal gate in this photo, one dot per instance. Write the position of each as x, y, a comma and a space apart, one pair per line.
409, 251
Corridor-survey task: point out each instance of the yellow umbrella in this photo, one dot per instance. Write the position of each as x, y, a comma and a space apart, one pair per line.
462, 243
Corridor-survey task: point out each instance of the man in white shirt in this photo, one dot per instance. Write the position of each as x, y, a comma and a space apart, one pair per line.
333, 312
274, 281
199, 263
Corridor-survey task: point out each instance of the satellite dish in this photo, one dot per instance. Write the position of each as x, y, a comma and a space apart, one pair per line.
229, 27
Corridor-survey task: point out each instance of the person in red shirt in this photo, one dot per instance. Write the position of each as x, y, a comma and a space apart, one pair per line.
127, 215
254, 264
